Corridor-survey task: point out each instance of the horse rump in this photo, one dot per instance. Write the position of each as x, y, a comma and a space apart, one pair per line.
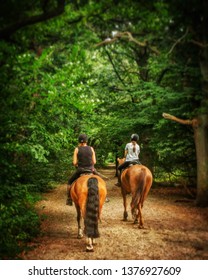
92, 209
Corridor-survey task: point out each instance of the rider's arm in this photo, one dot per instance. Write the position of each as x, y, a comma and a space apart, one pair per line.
125, 153
93, 156
75, 159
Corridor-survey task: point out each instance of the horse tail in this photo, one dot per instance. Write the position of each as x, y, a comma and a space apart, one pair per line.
92, 209
139, 194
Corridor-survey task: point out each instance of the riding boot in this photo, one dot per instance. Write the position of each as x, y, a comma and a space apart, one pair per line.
118, 184
69, 199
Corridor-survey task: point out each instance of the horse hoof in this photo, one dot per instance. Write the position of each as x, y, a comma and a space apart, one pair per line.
136, 222
80, 236
89, 249
141, 227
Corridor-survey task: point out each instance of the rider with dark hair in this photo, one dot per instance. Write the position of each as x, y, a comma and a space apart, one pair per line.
131, 155
84, 160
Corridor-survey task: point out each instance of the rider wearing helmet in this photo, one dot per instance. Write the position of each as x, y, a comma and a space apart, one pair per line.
131, 155
83, 159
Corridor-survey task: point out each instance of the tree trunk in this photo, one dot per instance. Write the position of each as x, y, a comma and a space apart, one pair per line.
201, 144
201, 130
200, 126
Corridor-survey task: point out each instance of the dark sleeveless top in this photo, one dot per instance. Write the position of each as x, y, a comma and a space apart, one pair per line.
85, 157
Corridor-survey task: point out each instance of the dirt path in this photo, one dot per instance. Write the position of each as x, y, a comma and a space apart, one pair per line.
173, 230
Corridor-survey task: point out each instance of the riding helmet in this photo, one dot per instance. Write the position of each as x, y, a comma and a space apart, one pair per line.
135, 137
82, 138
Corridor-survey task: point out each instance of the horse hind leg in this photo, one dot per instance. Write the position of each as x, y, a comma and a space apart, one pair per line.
125, 213
80, 231
141, 221
94, 242
134, 213
137, 214
135, 217
125, 216
89, 246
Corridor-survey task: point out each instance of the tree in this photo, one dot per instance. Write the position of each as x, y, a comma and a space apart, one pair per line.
199, 126
196, 20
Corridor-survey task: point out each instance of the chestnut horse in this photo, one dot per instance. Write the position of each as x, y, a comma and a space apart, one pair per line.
137, 180
88, 193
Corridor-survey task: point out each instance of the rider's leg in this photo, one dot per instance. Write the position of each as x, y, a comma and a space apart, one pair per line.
118, 184
120, 170
68, 189
68, 193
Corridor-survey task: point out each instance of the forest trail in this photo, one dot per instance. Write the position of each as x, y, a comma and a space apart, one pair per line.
173, 230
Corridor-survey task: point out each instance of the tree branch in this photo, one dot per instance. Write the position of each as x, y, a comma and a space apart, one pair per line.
173, 118
199, 44
127, 35
178, 41
114, 67
162, 74
6, 32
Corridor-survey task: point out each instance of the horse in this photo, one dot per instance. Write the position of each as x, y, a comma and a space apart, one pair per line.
137, 180
88, 193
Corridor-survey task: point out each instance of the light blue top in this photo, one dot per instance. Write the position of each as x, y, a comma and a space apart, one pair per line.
131, 155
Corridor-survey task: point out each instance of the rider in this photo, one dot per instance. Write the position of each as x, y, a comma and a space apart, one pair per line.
84, 159
131, 155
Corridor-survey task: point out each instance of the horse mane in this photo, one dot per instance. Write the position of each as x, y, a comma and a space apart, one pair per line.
92, 209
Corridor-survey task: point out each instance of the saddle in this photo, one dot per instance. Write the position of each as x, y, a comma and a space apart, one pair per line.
86, 171
131, 164
134, 163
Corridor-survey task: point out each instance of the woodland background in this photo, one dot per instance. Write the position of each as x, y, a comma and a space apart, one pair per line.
104, 68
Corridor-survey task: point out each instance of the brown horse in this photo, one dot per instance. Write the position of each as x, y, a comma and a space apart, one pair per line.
137, 180
89, 193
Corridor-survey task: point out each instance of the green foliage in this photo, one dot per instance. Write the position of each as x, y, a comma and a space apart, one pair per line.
56, 83
18, 220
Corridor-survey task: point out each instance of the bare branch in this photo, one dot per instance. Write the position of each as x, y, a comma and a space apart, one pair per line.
114, 67
178, 41
127, 35
173, 118
106, 42
131, 38
199, 44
